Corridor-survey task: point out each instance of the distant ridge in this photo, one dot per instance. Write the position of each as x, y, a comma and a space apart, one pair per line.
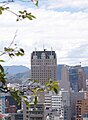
17, 74
14, 69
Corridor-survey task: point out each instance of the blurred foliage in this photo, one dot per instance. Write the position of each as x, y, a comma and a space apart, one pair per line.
11, 52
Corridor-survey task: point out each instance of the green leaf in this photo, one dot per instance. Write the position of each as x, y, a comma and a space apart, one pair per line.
0, 12
18, 53
27, 103
41, 90
25, 97
1, 8
2, 61
7, 8
35, 100
21, 50
8, 49
56, 90
21, 12
11, 54
29, 17
1, 69
36, 3
36, 81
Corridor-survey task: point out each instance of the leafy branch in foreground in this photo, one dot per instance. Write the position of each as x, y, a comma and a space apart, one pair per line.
35, 91
17, 94
11, 52
21, 14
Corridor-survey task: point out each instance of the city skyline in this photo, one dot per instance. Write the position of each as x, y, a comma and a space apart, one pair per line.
59, 24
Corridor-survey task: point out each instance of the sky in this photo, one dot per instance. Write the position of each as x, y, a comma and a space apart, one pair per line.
60, 24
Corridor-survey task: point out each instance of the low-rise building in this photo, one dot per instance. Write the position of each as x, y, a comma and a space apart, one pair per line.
34, 112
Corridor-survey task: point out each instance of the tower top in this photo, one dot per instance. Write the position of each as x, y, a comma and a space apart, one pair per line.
47, 54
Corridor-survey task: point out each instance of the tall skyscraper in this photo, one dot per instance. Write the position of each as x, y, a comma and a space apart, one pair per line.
77, 78
43, 66
64, 82
73, 77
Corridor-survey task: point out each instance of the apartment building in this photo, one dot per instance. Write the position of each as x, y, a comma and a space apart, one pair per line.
74, 96
34, 112
82, 109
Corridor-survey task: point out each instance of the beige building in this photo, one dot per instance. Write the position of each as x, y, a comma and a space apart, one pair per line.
82, 78
64, 82
43, 66
82, 109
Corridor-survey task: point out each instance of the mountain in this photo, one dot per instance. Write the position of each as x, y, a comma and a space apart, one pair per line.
15, 69
17, 74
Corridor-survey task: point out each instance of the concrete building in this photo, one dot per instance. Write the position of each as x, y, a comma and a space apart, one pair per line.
2, 103
82, 108
43, 66
73, 77
64, 82
77, 78
47, 102
74, 96
34, 112
57, 107
16, 116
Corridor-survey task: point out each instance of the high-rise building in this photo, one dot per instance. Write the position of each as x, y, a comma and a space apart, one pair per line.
73, 77
43, 66
64, 82
77, 78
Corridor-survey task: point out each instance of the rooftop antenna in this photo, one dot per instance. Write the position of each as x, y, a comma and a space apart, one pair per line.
35, 51
51, 50
43, 46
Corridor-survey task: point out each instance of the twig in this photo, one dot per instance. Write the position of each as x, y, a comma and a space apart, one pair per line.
13, 38
12, 12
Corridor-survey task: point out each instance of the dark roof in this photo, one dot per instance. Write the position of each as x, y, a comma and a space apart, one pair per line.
47, 53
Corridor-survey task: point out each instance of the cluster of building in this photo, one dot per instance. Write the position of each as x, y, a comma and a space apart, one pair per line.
71, 102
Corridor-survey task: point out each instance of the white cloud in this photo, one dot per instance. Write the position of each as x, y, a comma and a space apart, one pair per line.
64, 31
68, 3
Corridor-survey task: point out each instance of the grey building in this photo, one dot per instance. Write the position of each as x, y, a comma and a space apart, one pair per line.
64, 82
43, 66
74, 96
77, 78
14, 116
34, 112
73, 77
